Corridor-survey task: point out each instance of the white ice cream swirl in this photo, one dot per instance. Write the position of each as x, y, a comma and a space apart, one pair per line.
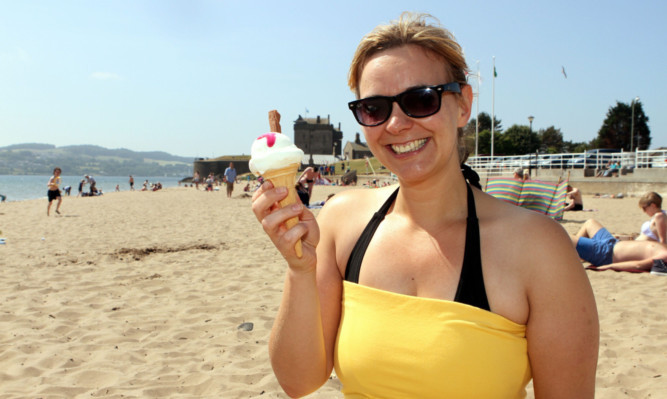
273, 151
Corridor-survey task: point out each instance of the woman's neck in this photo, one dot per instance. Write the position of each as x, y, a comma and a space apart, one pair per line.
434, 201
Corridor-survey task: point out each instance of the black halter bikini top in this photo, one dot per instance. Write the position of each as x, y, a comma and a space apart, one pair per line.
470, 290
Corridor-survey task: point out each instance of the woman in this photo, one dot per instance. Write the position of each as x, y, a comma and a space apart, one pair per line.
654, 229
429, 304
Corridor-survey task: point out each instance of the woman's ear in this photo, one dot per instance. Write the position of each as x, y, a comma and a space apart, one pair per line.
465, 105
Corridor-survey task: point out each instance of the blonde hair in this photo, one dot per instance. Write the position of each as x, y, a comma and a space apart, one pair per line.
650, 198
412, 29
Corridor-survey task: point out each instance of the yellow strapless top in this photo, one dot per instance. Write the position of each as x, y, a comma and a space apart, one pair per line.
399, 346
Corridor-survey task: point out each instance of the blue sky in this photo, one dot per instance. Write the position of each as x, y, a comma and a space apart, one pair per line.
197, 78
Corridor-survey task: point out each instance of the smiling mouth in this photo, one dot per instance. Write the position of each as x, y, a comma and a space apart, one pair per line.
408, 147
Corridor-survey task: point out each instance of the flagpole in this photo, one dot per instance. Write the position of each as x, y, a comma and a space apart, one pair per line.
477, 117
493, 106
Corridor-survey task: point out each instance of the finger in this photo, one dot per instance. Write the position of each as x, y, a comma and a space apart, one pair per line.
289, 237
274, 222
267, 185
309, 221
265, 203
283, 232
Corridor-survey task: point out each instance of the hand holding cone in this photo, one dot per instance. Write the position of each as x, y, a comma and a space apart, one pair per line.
284, 177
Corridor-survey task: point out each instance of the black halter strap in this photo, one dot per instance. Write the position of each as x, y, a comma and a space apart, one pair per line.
354, 263
470, 289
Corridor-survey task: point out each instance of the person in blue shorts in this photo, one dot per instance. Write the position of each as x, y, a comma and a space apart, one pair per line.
596, 245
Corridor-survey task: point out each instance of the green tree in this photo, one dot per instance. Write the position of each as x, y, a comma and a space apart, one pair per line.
484, 124
518, 140
615, 130
551, 140
569, 146
484, 139
484, 144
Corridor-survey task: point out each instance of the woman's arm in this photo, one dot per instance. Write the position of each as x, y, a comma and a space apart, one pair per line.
635, 266
299, 344
562, 328
661, 227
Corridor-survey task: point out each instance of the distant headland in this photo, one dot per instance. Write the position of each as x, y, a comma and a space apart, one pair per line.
40, 159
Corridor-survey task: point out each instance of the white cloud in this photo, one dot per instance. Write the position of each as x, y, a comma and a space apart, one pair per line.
105, 76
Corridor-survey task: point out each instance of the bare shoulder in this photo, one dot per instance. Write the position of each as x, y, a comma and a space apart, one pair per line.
344, 216
524, 237
530, 261
342, 207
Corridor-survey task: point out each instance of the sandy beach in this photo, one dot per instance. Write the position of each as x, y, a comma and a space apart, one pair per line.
151, 294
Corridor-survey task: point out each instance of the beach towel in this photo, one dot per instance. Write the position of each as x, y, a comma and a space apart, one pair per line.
547, 198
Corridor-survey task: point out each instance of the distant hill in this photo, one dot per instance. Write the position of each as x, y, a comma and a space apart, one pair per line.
40, 159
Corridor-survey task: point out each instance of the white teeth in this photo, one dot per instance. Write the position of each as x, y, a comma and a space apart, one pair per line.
408, 147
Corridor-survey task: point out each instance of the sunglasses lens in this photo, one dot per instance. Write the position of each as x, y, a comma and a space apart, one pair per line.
415, 103
372, 111
420, 102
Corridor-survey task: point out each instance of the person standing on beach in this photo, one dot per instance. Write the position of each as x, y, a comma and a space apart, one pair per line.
416, 290
131, 183
81, 184
195, 180
230, 178
53, 192
92, 185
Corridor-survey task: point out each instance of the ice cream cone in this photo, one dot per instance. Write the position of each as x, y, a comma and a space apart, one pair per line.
285, 177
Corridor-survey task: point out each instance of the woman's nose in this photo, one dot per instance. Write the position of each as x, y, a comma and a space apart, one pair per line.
398, 120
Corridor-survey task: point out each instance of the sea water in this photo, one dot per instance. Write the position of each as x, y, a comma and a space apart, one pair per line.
20, 188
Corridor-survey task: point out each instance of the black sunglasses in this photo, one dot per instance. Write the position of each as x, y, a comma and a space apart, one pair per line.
416, 103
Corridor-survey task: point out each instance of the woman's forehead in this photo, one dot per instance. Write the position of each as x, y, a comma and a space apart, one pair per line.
403, 67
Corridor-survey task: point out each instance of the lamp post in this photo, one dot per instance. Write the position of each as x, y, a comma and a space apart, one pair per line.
632, 125
530, 120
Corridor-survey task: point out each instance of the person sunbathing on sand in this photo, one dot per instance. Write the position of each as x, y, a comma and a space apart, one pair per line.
654, 229
596, 245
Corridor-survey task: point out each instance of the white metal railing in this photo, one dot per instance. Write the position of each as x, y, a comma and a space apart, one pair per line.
503, 164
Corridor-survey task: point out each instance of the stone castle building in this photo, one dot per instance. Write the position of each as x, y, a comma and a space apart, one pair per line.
317, 136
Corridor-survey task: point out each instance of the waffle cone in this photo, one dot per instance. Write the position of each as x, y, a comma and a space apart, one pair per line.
285, 177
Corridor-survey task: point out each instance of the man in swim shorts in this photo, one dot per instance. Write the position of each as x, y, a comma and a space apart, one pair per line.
599, 249
596, 245
577, 202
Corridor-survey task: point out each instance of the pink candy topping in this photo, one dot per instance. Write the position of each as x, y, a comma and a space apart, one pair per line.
270, 138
